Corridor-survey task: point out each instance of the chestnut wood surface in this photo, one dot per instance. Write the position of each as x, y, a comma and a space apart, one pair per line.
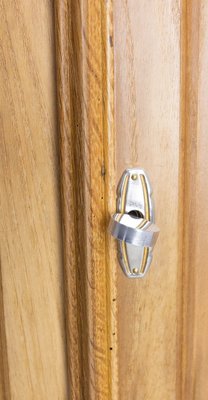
84, 51
159, 84
32, 334
108, 85
195, 226
147, 104
161, 125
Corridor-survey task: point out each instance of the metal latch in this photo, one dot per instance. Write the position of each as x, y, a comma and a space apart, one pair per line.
133, 224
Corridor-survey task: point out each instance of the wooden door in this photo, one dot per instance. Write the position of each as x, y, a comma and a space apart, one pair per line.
96, 87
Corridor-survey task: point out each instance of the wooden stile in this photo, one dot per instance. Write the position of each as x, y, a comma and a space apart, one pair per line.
86, 119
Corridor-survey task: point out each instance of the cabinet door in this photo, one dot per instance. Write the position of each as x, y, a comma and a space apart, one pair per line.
97, 87
132, 90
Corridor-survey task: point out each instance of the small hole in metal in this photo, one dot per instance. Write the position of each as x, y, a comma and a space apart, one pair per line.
136, 214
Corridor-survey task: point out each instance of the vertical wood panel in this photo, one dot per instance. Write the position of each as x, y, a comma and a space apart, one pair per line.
161, 125
31, 259
147, 92
160, 109
85, 98
195, 296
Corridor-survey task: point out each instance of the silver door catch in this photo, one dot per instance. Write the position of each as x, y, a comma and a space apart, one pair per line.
133, 224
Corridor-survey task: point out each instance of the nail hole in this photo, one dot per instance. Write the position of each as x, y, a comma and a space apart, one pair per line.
136, 214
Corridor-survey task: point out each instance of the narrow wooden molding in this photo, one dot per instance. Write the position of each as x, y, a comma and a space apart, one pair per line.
5, 392
84, 48
195, 194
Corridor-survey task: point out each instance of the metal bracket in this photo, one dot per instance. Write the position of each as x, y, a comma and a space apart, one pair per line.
133, 224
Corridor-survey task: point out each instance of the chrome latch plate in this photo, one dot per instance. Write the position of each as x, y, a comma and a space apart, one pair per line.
133, 224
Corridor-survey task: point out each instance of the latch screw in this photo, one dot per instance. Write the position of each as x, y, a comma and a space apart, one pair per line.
135, 271
134, 177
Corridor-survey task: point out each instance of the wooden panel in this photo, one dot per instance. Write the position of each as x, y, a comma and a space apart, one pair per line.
85, 97
32, 341
161, 125
147, 93
195, 294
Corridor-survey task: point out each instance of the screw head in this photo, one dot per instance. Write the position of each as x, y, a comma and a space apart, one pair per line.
134, 177
135, 271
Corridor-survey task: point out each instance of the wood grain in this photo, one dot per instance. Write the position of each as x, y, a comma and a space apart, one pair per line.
85, 99
125, 339
161, 125
195, 293
160, 114
148, 135
5, 392
32, 342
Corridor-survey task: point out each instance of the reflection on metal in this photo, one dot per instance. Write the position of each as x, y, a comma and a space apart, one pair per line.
133, 224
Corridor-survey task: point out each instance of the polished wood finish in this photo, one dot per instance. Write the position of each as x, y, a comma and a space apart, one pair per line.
108, 85
195, 226
32, 334
85, 99
147, 96
158, 103
161, 83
